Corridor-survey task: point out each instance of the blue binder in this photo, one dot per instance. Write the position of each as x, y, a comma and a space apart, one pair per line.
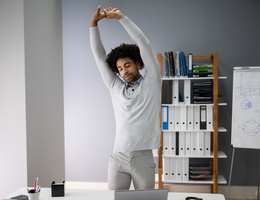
184, 63
165, 115
190, 72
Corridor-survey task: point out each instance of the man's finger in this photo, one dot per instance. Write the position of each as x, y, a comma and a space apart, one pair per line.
98, 8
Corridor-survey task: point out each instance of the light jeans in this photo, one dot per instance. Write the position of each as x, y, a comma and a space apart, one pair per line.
137, 165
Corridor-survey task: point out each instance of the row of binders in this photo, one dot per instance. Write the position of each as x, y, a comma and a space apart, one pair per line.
183, 118
186, 92
176, 169
181, 169
194, 92
175, 65
186, 144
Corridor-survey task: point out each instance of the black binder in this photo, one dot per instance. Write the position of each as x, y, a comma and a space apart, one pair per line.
203, 118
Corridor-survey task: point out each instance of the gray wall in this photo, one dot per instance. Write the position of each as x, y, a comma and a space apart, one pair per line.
13, 164
31, 94
201, 27
44, 91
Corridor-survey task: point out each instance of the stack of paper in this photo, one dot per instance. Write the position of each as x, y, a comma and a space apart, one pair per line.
202, 70
202, 92
200, 171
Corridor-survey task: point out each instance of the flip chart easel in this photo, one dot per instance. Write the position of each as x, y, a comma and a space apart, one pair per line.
245, 112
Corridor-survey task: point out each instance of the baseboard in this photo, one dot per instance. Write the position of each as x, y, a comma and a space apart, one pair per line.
236, 192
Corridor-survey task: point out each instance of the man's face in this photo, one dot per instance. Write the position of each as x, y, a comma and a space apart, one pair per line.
128, 70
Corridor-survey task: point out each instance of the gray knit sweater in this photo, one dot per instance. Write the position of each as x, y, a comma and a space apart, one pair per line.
137, 117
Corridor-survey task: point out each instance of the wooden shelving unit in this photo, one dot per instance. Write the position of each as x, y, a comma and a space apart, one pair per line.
215, 155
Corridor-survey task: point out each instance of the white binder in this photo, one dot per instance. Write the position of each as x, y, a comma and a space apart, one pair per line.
178, 169
171, 118
166, 143
175, 91
207, 143
183, 118
181, 143
177, 118
186, 92
173, 144
166, 169
190, 118
201, 146
194, 148
209, 117
188, 143
185, 170
196, 118
173, 169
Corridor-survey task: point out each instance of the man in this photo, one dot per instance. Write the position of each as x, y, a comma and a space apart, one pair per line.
136, 101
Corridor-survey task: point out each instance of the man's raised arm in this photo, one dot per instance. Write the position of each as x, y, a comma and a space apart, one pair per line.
98, 49
97, 16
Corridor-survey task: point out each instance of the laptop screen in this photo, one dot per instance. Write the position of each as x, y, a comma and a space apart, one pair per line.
149, 194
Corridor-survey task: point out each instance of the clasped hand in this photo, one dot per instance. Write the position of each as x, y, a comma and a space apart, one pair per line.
108, 13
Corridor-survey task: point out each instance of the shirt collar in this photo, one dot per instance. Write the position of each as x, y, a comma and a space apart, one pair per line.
127, 85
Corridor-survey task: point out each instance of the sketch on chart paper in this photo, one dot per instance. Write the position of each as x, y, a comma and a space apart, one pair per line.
246, 104
257, 111
248, 89
251, 127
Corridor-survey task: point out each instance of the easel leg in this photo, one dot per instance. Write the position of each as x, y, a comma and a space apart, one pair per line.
258, 176
231, 168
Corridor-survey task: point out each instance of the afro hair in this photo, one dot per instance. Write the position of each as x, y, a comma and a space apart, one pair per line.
124, 51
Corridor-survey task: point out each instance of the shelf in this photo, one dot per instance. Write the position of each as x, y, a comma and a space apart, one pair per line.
182, 104
222, 77
192, 78
221, 180
222, 129
187, 87
221, 154
165, 131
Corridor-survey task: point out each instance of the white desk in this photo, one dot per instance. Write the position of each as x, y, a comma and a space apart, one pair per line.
74, 194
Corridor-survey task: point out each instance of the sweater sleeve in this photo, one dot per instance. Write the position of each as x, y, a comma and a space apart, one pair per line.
99, 53
148, 56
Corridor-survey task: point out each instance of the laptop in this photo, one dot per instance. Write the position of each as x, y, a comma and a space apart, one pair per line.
149, 194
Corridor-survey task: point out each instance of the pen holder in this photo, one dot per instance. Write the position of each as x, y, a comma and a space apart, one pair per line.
57, 189
34, 196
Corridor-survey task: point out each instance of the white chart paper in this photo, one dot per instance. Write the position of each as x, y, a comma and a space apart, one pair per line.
246, 108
